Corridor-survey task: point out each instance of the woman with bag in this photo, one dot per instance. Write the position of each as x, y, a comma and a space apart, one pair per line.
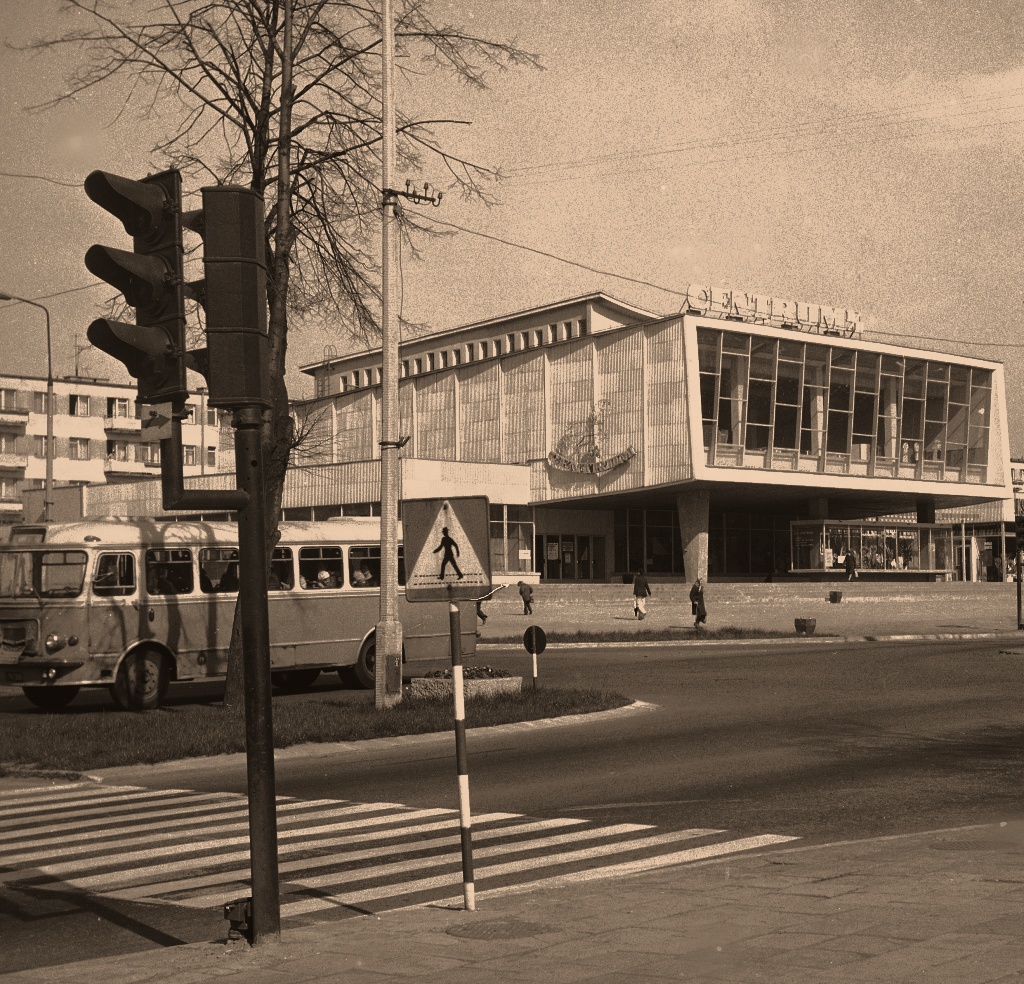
641, 589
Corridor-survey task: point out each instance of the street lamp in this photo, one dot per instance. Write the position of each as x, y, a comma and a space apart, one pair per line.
48, 492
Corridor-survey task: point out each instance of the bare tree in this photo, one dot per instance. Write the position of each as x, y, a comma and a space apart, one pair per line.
283, 96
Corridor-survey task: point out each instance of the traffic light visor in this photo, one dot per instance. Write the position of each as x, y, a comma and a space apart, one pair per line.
140, 278
134, 345
140, 206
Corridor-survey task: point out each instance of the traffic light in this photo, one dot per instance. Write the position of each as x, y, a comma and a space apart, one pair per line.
234, 295
150, 278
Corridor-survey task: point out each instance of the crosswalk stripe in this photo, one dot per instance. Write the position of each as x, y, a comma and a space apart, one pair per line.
44, 792
422, 884
285, 830
22, 818
74, 831
146, 889
638, 866
380, 871
138, 857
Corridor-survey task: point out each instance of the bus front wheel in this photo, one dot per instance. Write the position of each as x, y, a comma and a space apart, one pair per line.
142, 680
365, 667
50, 698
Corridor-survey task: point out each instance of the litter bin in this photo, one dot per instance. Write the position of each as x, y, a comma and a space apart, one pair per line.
805, 626
835, 597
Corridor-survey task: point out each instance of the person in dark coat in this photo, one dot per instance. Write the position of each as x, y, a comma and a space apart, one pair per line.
641, 591
851, 566
700, 613
526, 593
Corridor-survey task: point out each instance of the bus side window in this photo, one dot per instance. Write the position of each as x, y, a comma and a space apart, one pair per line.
281, 577
169, 572
218, 569
321, 567
364, 567
115, 575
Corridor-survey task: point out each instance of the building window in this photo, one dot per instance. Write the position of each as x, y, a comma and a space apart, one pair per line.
117, 450
39, 446
211, 457
9, 399
190, 414
190, 454
78, 406
39, 403
117, 406
148, 454
211, 417
8, 489
78, 448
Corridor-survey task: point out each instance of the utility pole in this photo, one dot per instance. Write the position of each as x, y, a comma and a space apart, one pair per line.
388, 690
388, 673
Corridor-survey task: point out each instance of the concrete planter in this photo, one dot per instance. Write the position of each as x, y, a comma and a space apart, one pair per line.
437, 687
805, 626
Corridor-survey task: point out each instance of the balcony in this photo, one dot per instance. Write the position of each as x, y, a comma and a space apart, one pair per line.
13, 417
11, 461
122, 425
10, 506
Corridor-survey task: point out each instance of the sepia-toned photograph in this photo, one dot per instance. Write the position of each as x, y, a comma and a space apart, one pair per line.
511, 491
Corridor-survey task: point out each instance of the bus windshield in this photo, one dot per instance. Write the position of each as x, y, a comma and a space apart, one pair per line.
42, 573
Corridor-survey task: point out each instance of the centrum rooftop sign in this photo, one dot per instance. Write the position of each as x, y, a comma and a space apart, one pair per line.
718, 302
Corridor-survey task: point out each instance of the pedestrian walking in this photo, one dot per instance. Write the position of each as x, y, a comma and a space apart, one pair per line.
851, 566
480, 613
526, 593
697, 609
641, 591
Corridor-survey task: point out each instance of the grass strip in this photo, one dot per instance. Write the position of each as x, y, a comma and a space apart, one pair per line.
36, 742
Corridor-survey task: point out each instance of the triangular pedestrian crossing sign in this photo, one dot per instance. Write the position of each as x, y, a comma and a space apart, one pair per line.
447, 548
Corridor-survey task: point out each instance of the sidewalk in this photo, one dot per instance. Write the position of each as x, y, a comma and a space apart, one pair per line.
944, 907
867, 610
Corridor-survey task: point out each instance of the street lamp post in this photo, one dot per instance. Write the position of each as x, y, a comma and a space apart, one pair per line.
48, 492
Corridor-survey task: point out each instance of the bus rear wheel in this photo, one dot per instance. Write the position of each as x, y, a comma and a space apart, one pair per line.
294, 681
365, 668
50, 698
142, 681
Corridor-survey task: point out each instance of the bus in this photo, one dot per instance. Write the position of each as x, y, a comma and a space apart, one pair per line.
134, 604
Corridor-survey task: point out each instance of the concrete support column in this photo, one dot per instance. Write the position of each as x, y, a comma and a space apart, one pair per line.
693, 530
817, 507
925, 511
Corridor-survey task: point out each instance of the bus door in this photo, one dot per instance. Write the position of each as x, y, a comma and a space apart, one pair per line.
115, 617
170, 616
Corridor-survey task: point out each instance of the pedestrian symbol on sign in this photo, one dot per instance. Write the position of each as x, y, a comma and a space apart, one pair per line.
448, 545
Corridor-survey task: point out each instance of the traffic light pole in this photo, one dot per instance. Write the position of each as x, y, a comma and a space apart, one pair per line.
259, 738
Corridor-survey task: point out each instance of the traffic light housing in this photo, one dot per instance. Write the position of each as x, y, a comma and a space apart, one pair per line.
150, 278
234, 295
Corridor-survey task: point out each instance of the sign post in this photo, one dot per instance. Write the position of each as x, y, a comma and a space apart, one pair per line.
448, 558
535, 640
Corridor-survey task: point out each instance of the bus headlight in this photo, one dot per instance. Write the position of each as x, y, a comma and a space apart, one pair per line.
55, 642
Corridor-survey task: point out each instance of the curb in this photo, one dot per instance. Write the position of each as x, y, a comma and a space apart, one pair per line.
768, 640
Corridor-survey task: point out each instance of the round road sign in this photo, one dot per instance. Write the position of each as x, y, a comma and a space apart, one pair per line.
535, 640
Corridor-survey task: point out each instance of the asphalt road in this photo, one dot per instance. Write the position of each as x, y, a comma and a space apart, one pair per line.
820, 741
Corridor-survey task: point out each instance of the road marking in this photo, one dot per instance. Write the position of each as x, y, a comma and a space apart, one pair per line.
191, 849
419, 885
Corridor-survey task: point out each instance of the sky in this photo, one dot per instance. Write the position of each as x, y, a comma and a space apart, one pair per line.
863, 154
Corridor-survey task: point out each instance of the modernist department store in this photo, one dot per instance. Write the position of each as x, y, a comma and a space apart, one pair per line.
744, 438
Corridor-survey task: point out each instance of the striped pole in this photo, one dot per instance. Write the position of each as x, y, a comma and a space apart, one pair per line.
461, 764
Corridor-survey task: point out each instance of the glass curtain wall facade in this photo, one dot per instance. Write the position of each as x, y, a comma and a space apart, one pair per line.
649, 539
892, 548
790, 405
